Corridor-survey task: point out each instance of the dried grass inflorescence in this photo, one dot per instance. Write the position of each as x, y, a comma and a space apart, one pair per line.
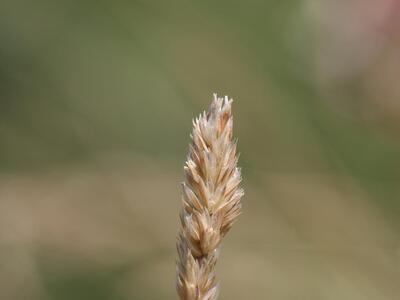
211, 200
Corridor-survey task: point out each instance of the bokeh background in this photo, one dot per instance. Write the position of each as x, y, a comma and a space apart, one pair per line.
96, 102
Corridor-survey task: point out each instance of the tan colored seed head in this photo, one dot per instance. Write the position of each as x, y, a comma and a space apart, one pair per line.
211, 200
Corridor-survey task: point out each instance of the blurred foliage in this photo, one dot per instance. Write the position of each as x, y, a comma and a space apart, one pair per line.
84, 83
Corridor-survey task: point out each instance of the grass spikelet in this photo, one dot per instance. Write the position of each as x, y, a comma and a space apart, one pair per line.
210, 201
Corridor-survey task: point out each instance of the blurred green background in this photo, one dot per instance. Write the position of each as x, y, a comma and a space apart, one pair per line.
96, 102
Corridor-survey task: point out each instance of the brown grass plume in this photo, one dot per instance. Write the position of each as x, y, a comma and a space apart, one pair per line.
210, 201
